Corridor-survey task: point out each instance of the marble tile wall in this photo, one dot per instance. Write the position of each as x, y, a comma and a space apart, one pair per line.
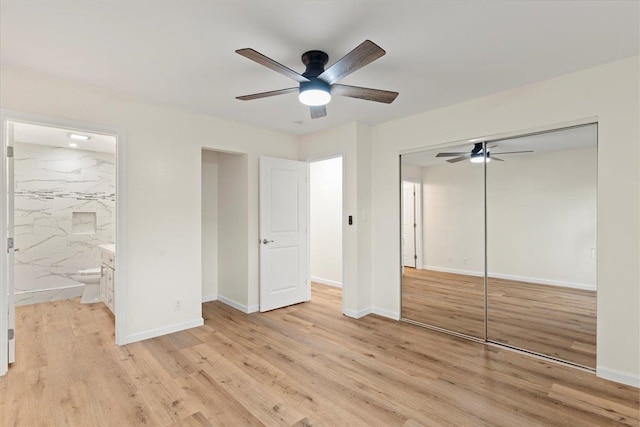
51, 183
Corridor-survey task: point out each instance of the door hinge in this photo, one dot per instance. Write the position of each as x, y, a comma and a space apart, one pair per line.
11, 334
10, 243
415, 225
415, 257
9, 151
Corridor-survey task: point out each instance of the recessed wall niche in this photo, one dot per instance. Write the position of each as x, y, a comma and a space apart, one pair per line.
83, 222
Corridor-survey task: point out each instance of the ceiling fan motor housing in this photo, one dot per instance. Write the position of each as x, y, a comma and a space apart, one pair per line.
314, 60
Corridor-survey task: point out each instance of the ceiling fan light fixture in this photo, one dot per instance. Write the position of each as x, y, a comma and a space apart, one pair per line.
314, 96
479, 158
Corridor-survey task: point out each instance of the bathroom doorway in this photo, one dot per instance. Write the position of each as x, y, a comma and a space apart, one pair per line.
64, 210
59, 185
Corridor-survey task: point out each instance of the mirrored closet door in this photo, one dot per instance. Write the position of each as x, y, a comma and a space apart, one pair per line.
527, 251
445, 289
541, 244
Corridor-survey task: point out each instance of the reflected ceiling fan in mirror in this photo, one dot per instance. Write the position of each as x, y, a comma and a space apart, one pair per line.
476, 155
317, 85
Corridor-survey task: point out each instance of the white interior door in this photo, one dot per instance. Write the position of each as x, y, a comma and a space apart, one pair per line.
283, 233
409, 254
10, 248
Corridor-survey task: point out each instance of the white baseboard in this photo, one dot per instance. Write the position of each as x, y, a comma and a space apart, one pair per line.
516, 278
327, 282
243, 308
453, 270
207, 298
618, 376
372, 310
386, 313
163, 331
357, 314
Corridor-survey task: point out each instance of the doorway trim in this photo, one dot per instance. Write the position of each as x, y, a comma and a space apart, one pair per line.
7, 116
318, 158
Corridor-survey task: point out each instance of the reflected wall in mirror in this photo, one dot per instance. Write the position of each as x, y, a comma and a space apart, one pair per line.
541, 245
445, 287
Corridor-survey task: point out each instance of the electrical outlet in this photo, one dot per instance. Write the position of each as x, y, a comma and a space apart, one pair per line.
450, 260
466, 261
177, 304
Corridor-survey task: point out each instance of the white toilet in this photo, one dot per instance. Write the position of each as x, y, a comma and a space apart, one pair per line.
91, 279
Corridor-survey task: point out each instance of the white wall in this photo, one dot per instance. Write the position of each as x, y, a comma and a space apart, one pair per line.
541, 218
209, 225
325, 196
608, 92
163, 190
233, 232
412, 173
453, 217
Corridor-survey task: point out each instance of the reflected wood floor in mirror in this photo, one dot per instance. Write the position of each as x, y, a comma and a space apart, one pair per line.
552, 320
446, 300
298, 366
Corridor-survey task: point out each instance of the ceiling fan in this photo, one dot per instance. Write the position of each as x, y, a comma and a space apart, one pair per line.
477, 156
317, 85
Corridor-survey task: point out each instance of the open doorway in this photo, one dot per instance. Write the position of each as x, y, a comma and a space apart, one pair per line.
64, 211
224, 229
411, 224
326, 223
60, 183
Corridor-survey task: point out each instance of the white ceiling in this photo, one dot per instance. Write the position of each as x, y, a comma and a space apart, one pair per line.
438, 52
58, 137
558, 140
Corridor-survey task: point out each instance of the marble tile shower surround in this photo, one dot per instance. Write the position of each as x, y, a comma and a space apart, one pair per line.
51, 183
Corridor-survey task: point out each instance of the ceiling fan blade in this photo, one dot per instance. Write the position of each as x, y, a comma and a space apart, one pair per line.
450, 154
270, 63
317, 112
376, 95
496, 158
362, 55
459, 159
515, 152
267, 94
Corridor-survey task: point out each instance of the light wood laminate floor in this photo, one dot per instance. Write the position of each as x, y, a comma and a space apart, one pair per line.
298, 366
555, 321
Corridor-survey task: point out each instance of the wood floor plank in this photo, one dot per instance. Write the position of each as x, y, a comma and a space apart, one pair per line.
194, 420
305, 365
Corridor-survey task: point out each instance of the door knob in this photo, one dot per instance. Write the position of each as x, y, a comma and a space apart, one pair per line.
265, 241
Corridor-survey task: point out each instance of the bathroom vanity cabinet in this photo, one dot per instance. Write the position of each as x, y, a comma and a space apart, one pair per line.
107, 275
